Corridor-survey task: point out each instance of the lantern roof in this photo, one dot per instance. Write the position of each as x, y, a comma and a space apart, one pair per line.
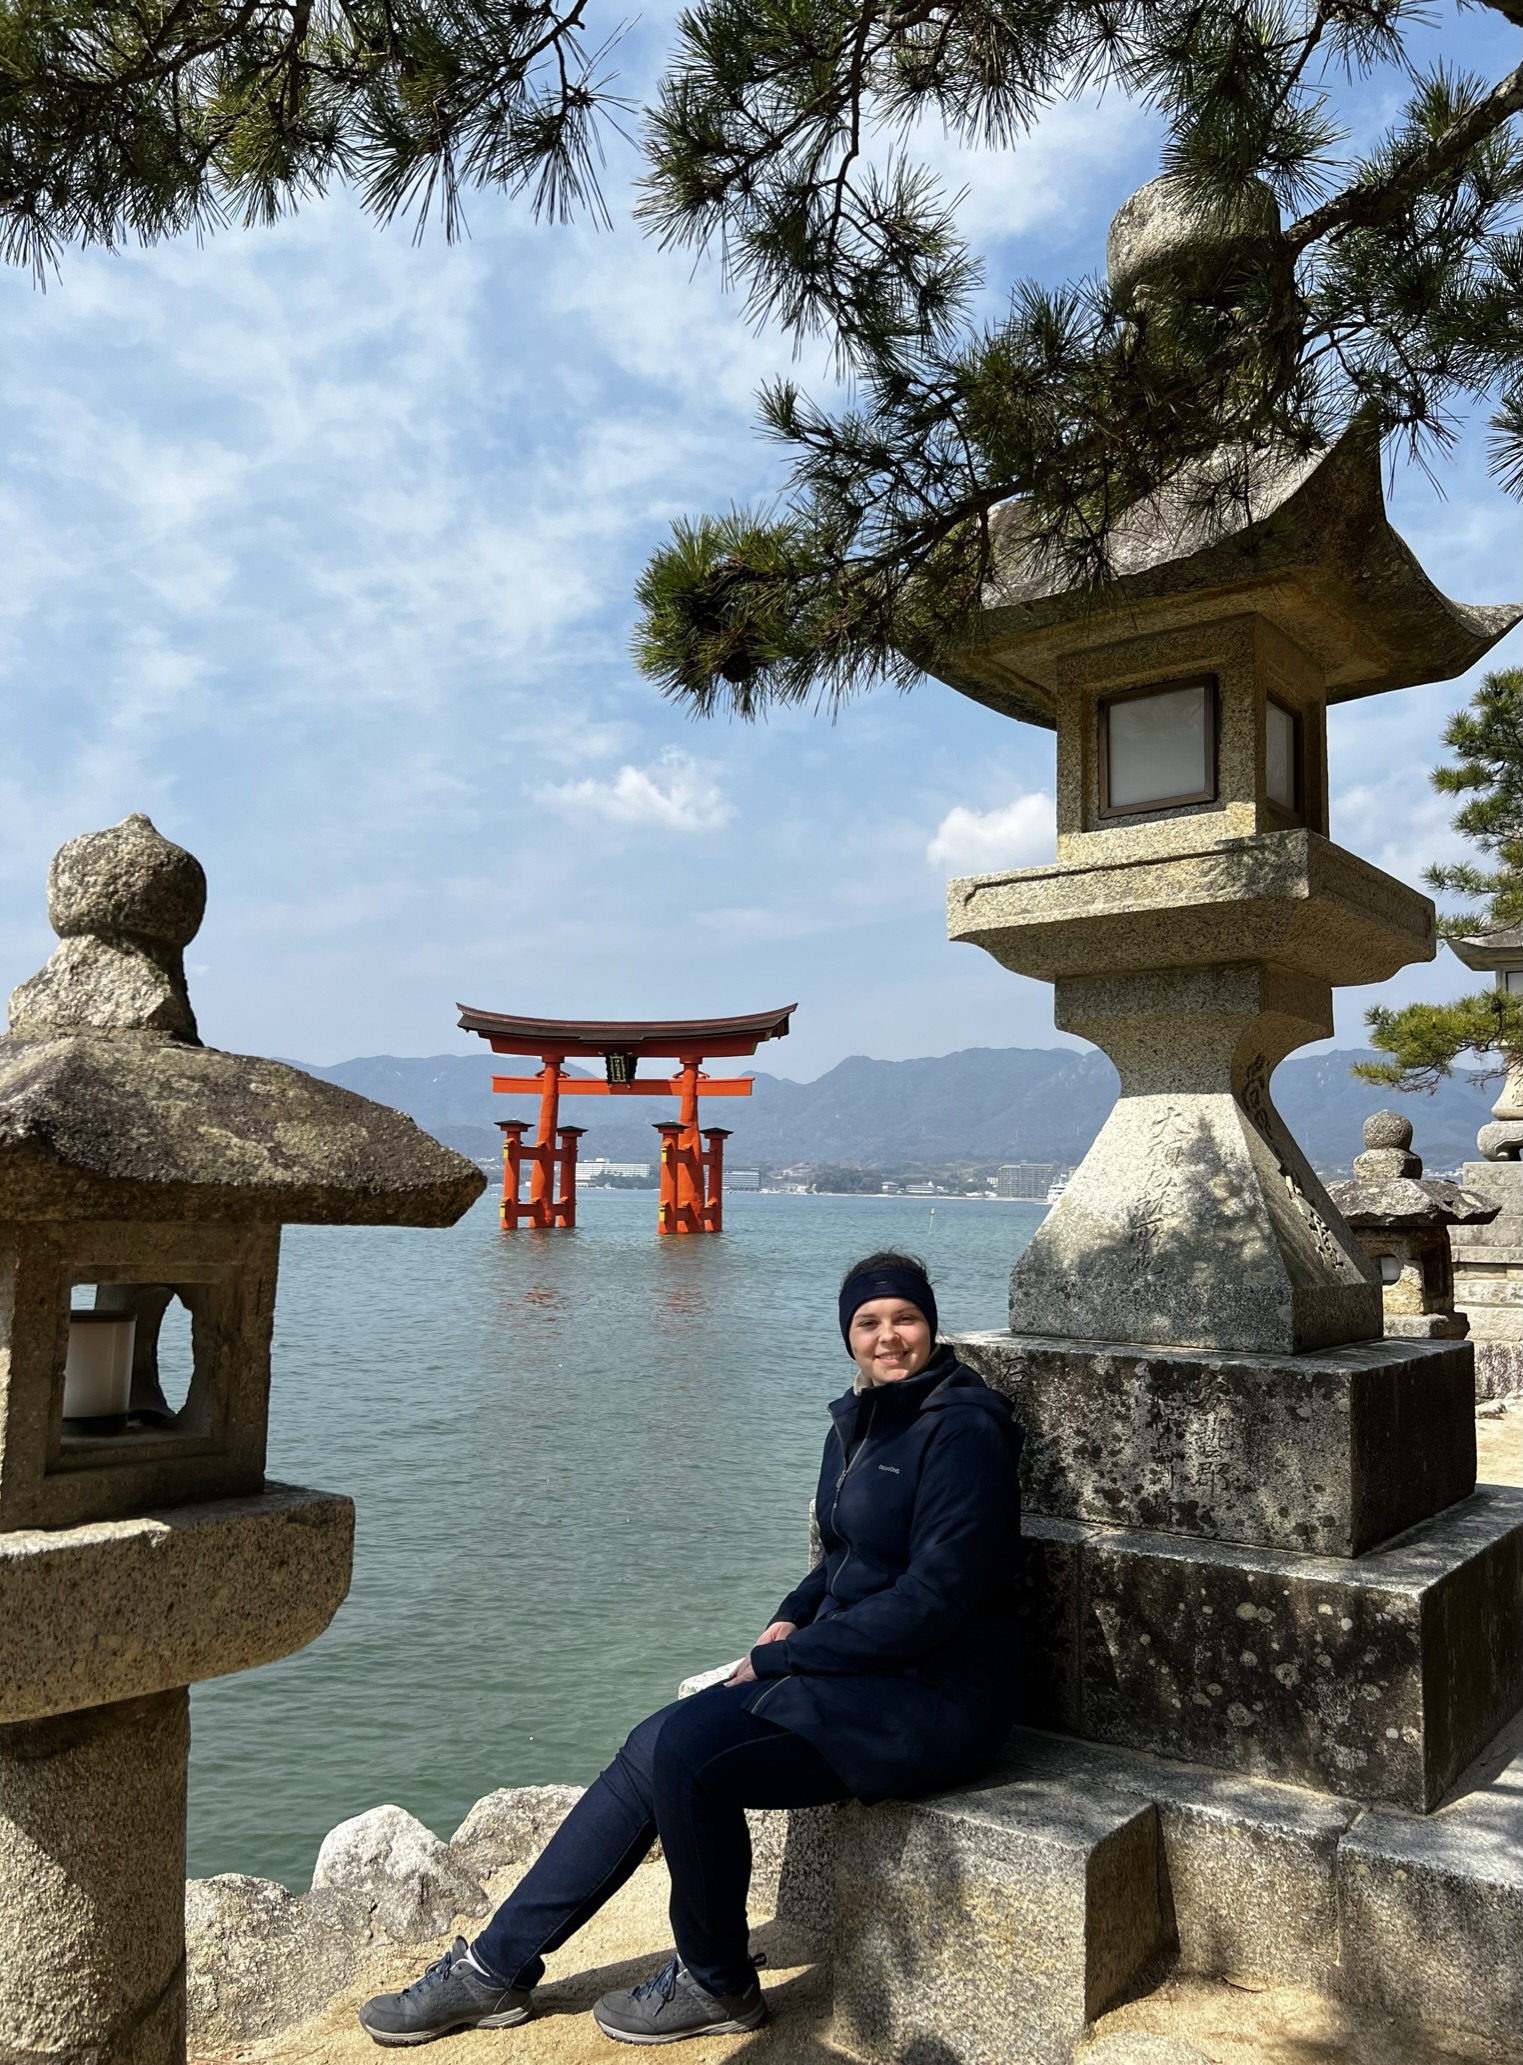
1486, 951
1303, 541
111, 1107
1388, 1192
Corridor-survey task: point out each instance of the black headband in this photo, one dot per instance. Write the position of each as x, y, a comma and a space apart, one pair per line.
908, 1284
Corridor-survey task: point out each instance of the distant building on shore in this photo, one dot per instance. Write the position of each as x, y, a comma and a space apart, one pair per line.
742, 1179
1025, 1179
597, 1171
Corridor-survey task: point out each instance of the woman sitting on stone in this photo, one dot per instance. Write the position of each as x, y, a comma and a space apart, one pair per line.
891, 1669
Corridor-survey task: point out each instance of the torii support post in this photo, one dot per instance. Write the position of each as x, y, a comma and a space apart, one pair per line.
713, 1178
565, 1204
512, 1131
552, 1196
692, 1175
668, 1207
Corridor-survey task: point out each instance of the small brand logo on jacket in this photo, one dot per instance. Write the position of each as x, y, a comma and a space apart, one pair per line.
892, 1468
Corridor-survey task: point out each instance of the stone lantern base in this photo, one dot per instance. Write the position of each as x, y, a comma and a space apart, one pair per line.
105, 1627
1272, 1729
92, 1864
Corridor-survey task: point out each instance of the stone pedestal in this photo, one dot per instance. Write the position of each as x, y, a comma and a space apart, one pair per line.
1278, 1565
1194, 1217
1488, 1278
92, 1871
92, 1778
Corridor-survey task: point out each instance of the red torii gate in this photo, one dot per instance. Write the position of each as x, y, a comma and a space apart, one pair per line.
692, 1171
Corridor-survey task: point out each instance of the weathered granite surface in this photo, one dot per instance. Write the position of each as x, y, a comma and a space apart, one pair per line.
125, 904
111, 1108
259, 1958
1376, 1678
133, 1125
1330, 1452
1194, 1219
1405, 1914
1289, 897
1314, 554
118, 1608
1488, 1278
137, 1162
508, 1828
92, 1876
994, 1922
54, 1476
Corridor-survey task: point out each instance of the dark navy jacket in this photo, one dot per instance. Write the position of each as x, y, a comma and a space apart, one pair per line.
902, 1669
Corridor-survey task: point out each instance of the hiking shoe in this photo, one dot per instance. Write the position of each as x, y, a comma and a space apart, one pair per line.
452, 1994
671, 2005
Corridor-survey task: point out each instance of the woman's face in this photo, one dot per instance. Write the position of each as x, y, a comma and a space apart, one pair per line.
890, 1340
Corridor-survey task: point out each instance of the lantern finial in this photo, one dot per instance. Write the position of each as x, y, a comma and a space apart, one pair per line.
125, 904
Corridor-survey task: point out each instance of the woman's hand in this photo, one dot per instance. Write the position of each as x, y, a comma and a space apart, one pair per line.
779, 1631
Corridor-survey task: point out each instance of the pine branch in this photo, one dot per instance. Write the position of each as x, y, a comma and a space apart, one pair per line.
1373, 205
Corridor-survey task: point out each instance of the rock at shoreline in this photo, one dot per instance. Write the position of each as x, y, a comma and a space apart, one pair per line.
258, 1958
511, 1826
412, 1885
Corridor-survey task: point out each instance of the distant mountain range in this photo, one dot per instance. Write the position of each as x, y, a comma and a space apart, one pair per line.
982, 1106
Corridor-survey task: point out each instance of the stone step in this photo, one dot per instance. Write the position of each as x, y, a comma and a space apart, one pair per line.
1331, 1452
988, 1925
1376, 1678
994, 1923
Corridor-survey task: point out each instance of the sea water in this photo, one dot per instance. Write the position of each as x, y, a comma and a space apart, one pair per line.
582, 1463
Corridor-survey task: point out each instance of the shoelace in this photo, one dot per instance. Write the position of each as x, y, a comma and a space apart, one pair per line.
663, 1982
439, 1969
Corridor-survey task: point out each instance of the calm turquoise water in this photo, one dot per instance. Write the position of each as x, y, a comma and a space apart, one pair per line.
582, 1463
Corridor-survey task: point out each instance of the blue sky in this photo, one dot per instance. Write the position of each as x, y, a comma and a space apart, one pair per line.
320, 547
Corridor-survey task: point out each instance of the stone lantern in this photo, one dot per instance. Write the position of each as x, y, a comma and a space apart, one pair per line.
1488, 1260
1402, 1221
141, 1547
1254, 1549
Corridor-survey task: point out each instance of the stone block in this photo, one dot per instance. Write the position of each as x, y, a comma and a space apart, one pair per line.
1330, 1452
806, 1884
92, 1885
120, 1608
1251, 1869
214, 1447
1376, 1678
1051, 1593
989, 1924
1432, 1912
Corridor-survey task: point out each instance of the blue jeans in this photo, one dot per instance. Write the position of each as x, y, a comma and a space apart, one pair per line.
687, 1774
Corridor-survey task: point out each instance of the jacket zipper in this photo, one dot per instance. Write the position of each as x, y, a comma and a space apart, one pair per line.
849, 1464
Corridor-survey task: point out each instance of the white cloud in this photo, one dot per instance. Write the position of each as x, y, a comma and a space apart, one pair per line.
674, 794
1019, 835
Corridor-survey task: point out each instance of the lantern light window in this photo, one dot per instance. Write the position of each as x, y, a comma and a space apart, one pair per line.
1158, 747
1281, 755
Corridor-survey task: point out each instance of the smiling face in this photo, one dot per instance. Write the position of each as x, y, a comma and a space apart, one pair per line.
890, 1340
